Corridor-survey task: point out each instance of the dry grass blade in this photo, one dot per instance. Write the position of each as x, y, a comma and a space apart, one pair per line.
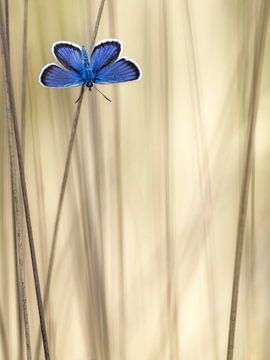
24, 73
13, 112
17, 234
7, 21
3, 337
169, 215
252, 115
119, 204
65, 176
59, 208
18, 237
202, 156
95, 31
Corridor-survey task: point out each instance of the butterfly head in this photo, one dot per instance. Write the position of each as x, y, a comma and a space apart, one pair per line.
89, 85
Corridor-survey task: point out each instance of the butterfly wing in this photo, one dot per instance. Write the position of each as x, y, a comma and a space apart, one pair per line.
104, 66
69, 55
53, 75
120, 71
104, 53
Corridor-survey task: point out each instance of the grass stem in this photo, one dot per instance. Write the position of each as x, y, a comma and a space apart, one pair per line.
11, 100
65, 177
24, 73
18, 237
249, 149
3, 337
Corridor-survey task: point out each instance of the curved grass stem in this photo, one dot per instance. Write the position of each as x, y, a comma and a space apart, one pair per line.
11, 100
65, 177
249, 150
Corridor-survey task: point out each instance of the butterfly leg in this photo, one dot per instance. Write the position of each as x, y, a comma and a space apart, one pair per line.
81, 93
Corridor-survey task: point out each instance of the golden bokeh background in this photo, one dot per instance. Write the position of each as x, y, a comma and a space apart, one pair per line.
145, 251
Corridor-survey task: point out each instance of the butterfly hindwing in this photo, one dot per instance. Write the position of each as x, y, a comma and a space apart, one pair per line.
120, 71
53, 75
69, 55
104, 53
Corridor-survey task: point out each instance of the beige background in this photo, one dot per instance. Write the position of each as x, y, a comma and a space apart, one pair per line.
145, 252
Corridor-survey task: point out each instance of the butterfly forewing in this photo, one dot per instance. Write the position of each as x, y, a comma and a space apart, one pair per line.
120, 71
53, 75
69, 55
104, 53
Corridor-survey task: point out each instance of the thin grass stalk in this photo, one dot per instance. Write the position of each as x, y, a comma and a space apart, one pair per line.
249, 149
95, 31
203, 168
59, 209
85, 250
18, 238
23, 113
98, 261
3, 337
93, 254
94, 242
24, 74
7, 22
18, 230
119, 204
18, 283
6, 260
171, 296
65, 177
14, 215
18, 246
250, 266
23, 185
66, 171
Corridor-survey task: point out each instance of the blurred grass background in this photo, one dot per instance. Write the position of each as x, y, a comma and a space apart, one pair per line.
145, 251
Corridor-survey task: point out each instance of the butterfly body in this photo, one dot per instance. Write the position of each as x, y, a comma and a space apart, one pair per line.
79, 68
86, 73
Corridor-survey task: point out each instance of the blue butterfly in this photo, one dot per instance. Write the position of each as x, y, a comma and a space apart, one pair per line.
102, 66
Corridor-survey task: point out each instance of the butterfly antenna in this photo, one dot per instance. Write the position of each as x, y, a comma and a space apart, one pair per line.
102, 94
